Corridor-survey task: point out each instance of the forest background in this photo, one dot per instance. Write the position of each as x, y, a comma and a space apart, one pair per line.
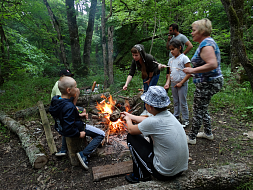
93, 39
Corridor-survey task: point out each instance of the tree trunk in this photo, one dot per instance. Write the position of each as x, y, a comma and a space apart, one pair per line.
225, 177
56, 25
104, 45
89, 33
153, 33
110, 54
235, 61
236, 32
74, 38
36, 157
4, 59
98, 59
74, 145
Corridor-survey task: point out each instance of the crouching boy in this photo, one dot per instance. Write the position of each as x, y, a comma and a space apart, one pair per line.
68, 120
165, 154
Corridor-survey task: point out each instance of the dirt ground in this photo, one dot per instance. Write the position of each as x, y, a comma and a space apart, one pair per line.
231, 145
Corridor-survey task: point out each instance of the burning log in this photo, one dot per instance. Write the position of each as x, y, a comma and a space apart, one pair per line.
115, 115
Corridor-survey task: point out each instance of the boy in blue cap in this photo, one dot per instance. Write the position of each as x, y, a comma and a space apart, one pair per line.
165, 155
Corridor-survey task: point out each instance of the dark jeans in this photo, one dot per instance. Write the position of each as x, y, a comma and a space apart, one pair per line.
142, 156
153, 82
97, 136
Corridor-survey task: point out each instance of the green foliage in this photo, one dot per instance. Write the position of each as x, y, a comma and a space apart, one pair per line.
23, 91
23, 55
4, 134
246, 186
234, 96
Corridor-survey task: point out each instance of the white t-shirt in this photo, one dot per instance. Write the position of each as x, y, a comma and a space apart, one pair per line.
169, 141
176, 64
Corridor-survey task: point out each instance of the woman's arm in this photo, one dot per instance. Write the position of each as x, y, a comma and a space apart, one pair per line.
129, 78
208, 55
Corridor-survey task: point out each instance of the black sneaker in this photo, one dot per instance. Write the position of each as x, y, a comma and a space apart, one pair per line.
132, 179
61, 153
83, 160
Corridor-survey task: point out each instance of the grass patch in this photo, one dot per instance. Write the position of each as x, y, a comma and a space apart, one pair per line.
4, 134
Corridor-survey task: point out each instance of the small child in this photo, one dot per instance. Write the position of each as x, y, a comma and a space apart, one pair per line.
178, 80
68, 120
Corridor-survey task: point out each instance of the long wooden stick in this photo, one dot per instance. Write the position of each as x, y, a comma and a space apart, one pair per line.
168, 66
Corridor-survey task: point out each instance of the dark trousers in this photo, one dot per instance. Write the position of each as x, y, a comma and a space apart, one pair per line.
142, 156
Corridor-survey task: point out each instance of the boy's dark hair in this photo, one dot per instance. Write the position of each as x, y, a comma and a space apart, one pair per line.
174, 26
160, 109
176, 44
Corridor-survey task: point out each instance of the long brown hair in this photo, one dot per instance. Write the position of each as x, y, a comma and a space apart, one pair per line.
144, 73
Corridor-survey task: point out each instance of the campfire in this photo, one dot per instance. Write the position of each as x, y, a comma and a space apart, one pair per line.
110, 110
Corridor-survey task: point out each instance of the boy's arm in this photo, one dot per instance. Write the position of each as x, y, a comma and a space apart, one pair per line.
71, 126
132, 129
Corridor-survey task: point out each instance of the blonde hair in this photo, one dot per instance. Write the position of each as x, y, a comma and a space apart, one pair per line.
204, 26
66, 82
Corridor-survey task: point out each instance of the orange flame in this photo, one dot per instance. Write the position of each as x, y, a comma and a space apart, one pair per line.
106, 108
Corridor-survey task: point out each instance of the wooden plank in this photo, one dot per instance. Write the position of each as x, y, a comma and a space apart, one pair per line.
47, 129
102, 172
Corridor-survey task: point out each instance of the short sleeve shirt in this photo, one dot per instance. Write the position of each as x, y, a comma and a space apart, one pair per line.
198, 61
169, 141
176, 64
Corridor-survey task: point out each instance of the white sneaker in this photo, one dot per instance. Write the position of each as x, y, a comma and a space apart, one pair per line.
185, 123
190, 141
203, 135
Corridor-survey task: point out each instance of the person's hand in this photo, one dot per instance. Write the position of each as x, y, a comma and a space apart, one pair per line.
169, 37
77, 92
125, 87
166, 86
84, 114
148, 81
188, 70
125, 116
178, 85
161, 66
82, 134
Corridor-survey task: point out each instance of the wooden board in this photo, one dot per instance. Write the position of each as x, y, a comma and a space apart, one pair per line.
101, 172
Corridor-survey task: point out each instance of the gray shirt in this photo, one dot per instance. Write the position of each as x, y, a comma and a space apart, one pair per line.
182, 38
169, 141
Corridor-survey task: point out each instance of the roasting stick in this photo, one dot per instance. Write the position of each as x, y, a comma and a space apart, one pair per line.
171, 67
168, 66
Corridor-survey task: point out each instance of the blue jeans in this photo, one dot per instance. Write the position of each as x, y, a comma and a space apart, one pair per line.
97, 136
153, 82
